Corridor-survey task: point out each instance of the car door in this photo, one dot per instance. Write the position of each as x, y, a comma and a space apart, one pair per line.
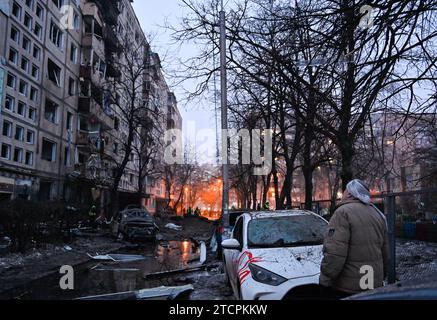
234, 255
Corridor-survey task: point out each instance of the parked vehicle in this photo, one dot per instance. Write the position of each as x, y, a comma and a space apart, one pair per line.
135, 224
424, 288
271, 254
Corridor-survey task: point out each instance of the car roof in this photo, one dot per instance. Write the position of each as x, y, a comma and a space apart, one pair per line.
278, 213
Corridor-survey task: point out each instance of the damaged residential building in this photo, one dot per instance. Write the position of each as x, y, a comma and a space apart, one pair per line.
62, 122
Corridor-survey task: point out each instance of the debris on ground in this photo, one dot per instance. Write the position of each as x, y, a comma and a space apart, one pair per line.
160, 293
415, 258
117, 257
173, 226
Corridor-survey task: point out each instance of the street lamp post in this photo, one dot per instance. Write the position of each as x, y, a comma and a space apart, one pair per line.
224, 114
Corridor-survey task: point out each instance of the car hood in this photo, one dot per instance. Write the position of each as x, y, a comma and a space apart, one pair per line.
290, 263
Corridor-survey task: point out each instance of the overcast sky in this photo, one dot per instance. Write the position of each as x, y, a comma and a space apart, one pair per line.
153, 15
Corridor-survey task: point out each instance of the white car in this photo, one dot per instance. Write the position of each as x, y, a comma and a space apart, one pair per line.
274, 255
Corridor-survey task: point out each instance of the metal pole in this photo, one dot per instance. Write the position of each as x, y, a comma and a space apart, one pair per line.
391, 221
223, 77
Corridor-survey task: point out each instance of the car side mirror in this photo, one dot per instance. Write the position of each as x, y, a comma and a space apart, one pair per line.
231, 244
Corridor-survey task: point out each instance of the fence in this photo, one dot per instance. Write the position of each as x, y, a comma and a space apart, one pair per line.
410, 215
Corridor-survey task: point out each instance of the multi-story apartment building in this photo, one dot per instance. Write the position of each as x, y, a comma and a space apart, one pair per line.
62, 118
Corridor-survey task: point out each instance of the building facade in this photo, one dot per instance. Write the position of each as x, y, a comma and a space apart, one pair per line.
63, 118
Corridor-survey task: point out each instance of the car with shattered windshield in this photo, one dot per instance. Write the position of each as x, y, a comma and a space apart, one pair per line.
135, 224
275, 255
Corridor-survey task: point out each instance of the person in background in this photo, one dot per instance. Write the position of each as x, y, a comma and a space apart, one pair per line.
357, 237
92, 215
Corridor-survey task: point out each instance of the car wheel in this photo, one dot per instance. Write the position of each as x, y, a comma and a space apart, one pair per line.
228, 281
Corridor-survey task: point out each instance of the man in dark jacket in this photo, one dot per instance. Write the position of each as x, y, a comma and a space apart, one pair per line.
356, 243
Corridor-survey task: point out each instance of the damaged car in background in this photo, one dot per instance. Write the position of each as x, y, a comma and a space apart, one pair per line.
135, 224
275, 255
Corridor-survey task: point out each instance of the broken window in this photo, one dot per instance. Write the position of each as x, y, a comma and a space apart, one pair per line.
299, 230
56, 35
51, 111
48, 152
54, 72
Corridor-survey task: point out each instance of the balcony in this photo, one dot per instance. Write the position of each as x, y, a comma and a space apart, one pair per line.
95, 112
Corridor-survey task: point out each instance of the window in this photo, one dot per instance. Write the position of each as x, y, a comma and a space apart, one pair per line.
72, 87
6, 151
67, 156
34, 94
28, 21
115, 148
69, 121
31, 114
26, 44
73, 53
35, 72
56, 35
21, 108
51, 111
24, 64
15, 35
19, 133
36, 52
39, 11
11, 81
58, 3
48, 150
10, 103
18, 155
116, 123
22, 89
30, 137
76, 21
13, 56
29, 158
29, 3
54, 72
16, 11
7, 128
37, 30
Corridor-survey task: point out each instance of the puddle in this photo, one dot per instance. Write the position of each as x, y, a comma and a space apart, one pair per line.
104, 277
